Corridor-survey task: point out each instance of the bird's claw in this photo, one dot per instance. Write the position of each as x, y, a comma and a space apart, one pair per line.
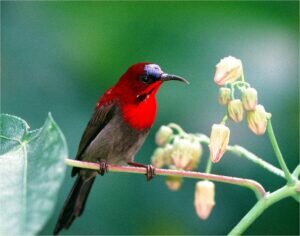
150, 172
103, 167
149, 168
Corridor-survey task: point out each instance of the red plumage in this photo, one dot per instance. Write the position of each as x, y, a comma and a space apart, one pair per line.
139, 115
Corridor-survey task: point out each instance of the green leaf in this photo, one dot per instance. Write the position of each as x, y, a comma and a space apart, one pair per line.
31, 171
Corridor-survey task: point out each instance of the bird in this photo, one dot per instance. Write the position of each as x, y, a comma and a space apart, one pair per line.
118, 127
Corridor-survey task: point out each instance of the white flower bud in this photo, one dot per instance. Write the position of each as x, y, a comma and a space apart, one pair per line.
249, 98
257, 120
174, 182
228, 70
196, 152
181, 155
204, 198
219, 139
167, 154
163, 134
162, 156
186, 153
224, 96
157, 158
235, 110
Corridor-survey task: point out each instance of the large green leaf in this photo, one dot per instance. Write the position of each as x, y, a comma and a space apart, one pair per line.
31, 171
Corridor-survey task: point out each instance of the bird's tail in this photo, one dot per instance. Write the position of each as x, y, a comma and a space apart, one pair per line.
74, 204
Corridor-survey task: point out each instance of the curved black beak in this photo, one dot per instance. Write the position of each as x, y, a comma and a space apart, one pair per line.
166, 77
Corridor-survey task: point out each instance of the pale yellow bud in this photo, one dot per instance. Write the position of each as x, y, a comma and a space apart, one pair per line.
167, 154
186, 153
174, 182
257, 120
219, 139
249, 98
235, 110
181, 154
228, 70
157, 158
224, 95
163, 134
204, 198
162, 156
196, 152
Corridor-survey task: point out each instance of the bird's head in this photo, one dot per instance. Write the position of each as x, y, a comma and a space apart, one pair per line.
135, 92
142, 80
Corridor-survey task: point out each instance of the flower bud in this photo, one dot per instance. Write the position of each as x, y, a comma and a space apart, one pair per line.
224, 95
174, 182
157, 158
167, 154
204, 198
228, 70
249, 98
162, 156
235, 110
163, 134
186, 153
181, 155
196, 152
257, 120
219, 139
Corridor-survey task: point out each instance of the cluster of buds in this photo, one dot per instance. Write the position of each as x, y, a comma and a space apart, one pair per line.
176, 152
181, 151
185, 154
228, 72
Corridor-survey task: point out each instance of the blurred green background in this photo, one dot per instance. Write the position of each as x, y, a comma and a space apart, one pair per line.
61, 57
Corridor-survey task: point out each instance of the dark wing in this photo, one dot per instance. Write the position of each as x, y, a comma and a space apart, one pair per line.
99, 120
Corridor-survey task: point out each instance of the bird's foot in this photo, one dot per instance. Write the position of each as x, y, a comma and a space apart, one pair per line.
150, 172
103, 167
149, 168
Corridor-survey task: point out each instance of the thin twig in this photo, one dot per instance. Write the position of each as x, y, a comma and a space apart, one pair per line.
278, 154
243, 152
253, 185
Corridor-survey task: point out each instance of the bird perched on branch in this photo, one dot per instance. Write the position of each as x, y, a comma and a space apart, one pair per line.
117, 129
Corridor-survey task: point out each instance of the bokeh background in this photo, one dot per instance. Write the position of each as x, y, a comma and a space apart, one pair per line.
61, 56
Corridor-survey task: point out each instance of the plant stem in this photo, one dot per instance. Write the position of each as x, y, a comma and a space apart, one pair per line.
208, 166
261, 205
224, 120
243, 152
253, 185
242, 76
240, 83
240, 151
296, 172
178, 128
232, 91
278, 154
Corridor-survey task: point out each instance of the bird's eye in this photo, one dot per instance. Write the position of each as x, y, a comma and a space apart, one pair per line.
145, 79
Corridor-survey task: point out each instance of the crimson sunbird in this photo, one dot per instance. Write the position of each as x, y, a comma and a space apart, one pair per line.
118, 127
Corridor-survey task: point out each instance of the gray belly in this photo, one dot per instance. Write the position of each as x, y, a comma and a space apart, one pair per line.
116, 142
